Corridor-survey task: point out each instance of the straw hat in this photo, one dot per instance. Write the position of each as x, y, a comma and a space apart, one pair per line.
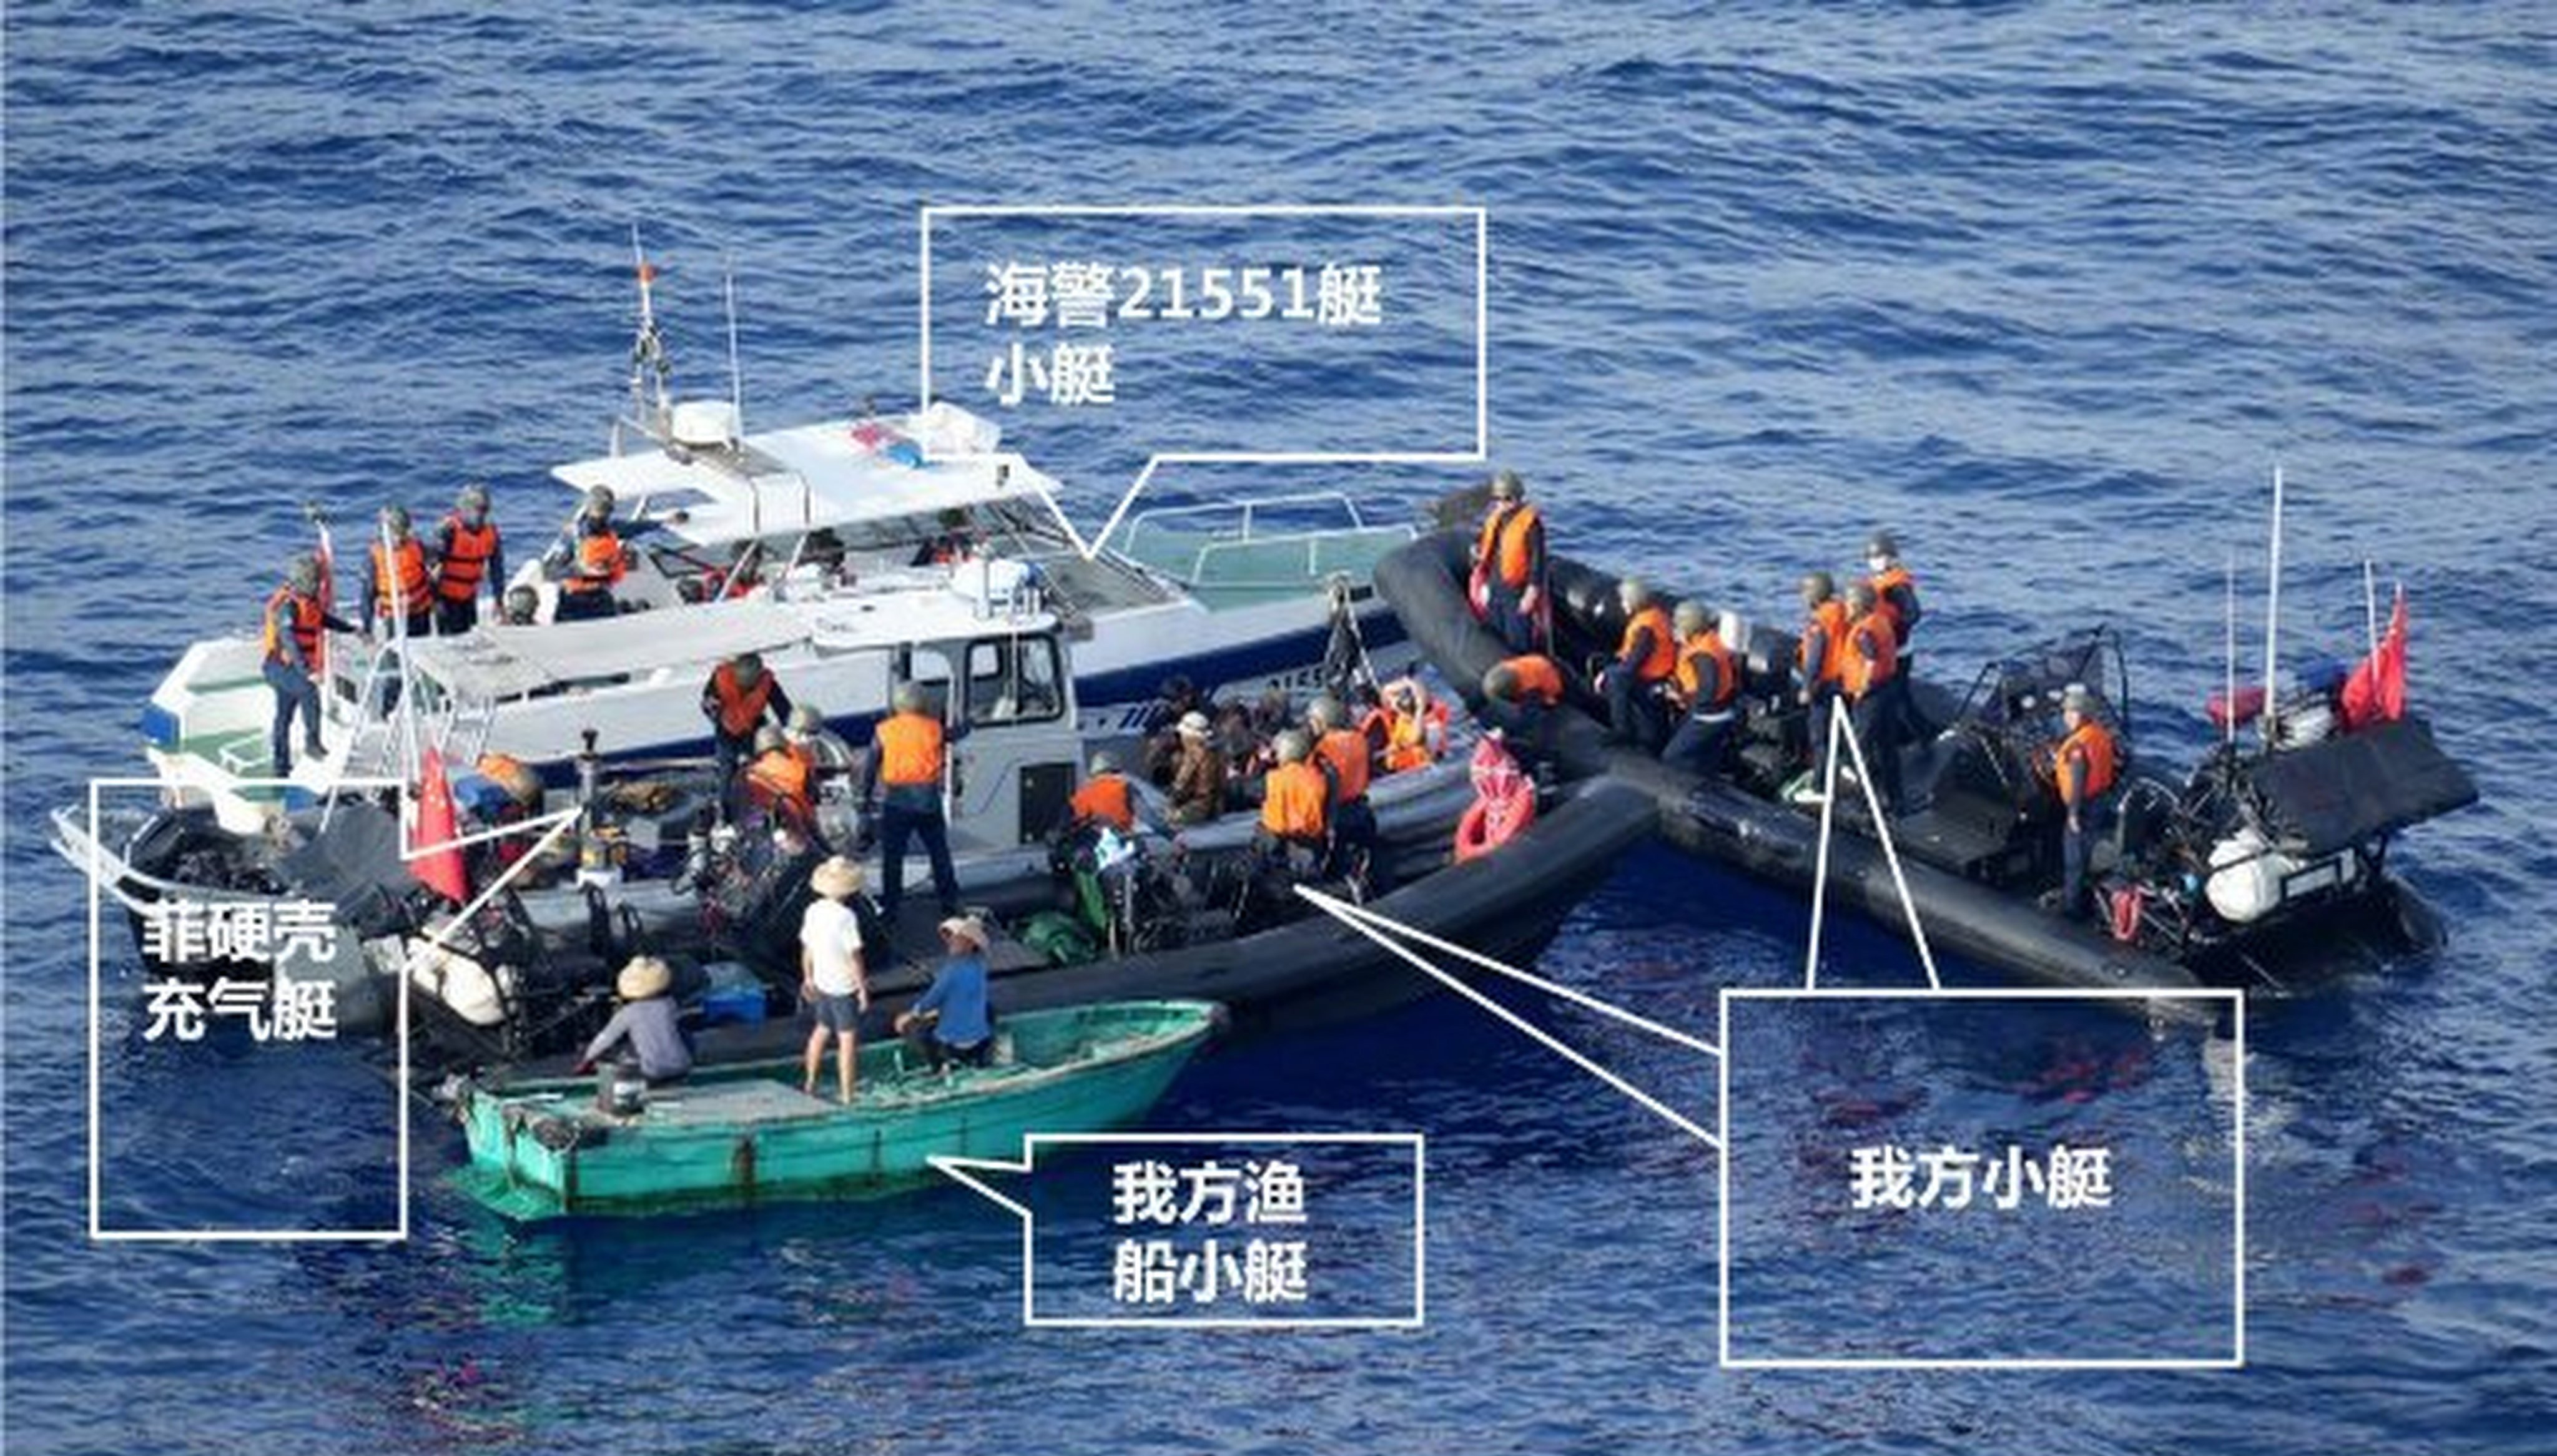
1194, 724
644, 977
966, 928
838, 879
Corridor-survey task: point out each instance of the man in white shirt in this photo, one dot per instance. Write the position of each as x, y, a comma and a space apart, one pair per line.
832, 983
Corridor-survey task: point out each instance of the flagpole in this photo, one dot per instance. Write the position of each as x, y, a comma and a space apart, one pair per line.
2273, 615
2228, 646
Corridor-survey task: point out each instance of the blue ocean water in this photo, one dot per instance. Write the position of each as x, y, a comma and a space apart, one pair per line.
2047, 288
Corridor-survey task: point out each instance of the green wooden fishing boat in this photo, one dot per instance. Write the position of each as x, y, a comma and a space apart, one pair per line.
747, 1133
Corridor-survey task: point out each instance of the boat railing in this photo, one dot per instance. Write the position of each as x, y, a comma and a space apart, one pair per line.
1268, 542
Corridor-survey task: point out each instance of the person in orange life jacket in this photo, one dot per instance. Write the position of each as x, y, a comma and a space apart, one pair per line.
1818, 660
1707, 687
1646, 660
1508, 583
2085, 765
1106, 799
468, 555
739, 697
1414, 729
1898, 593
593, 560
296, 655
1342, 755
903, 777
400, 583
778, 784
1296, 800
1520, 695
1867, 667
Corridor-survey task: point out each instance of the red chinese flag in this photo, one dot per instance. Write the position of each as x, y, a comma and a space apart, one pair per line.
2376, 691
439, 869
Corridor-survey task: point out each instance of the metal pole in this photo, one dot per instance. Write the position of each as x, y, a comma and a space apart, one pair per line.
2273, 614
2229, 647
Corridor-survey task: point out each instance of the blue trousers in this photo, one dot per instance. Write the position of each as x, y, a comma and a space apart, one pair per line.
1510, 619
898, 824
1696, 747
296, 692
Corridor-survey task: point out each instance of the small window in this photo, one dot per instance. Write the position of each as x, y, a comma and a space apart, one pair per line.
1013, 679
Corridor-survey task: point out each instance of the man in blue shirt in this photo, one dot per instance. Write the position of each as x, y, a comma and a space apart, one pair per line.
952, 1022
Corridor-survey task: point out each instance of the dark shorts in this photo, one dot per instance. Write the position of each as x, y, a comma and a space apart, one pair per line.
841, 1013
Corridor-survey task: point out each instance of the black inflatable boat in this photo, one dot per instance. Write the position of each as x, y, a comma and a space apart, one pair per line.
2245, 873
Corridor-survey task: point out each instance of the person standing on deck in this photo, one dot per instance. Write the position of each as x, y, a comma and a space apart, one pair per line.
1820, 661
1867, 667
596, 562
1645, 661
903, 777
739, 699
468, 556
1199, 774
1508, 585
833, 983
1897, 593
398, 581
296, 655
2085, 765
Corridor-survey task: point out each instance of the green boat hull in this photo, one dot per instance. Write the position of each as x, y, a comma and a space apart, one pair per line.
746, 1134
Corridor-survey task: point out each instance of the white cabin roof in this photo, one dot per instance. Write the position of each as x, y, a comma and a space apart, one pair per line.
494, 662
808, 476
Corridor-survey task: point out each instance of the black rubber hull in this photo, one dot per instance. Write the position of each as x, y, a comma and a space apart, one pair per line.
1711, 818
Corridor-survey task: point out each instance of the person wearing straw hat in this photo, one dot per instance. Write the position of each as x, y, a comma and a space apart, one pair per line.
1198, 775
951, 1020
833, 980
646, 1021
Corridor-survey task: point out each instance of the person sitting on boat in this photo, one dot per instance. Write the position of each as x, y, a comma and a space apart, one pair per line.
1342, 753
1106, 799
1175, 699
1296, 800
2085, 765
398, 581
1520, 695
1868, 664
833, 983
596, 561
1508, 585
778, 784
741, 697
953, 1021
1244, 748
1199, 775
1646, 659
647, 1022
468, 555
903, 777
1415, 728
1819, 661
1706, 688
297, 653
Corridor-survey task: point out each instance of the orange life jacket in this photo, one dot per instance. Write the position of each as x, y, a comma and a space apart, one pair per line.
307, 627
1895, 575
1345, 749
908, 746
1292, 803
1662, 661
1415, 739
2084, 765
1105, 799
1830, 617
1861, 670
1505, 545
403, 570
599, 566
740, 708
1726, 675
1538, 678
778, 781
465, 559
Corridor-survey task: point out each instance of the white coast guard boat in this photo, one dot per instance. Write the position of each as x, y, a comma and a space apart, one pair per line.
806, 524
